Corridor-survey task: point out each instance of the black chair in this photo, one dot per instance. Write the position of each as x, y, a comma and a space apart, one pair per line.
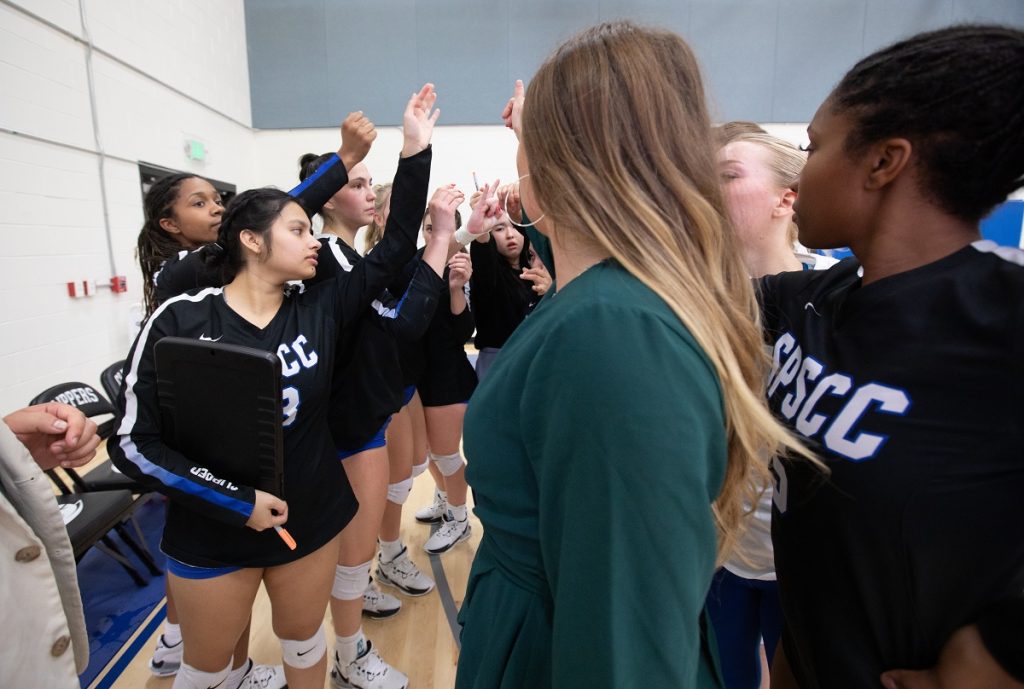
107, 502
112, 379
90, 402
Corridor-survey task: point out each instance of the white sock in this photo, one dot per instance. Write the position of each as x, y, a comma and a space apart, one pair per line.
172, 634
350, 647
458, 512
389, 550
236, 674
440, 495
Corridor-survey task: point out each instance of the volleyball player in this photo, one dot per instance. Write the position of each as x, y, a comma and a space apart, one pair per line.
901, 367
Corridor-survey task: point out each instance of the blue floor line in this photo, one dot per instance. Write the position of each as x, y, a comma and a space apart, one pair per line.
133, 650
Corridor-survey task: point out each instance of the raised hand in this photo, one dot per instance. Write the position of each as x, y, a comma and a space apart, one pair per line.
418, 121
55, 433
443, 204
512, 115
539, 276
486, 211
460, 269
357, 134
508, 197
268, 511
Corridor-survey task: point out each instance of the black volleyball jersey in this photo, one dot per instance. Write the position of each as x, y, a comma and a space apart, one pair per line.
447, 376
910, 389
207, 513
501, 298
187, 270
368, 376
205, 525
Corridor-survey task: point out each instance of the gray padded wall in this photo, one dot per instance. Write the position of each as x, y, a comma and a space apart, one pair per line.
312, 61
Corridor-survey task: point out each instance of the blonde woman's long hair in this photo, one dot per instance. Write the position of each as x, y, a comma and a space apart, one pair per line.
375, 231
622, 156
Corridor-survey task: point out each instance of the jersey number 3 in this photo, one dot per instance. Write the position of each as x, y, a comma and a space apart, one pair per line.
290, 398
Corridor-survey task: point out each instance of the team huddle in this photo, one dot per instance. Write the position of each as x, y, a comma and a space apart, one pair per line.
689, 433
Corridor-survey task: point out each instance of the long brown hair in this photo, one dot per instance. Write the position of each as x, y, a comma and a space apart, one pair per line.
622, 157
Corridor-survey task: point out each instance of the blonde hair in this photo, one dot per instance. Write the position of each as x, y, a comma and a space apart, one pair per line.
785, 161
622, 157
727, 132
375, 232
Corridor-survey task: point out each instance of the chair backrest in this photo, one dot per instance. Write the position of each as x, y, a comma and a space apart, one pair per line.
83, 397
112, 379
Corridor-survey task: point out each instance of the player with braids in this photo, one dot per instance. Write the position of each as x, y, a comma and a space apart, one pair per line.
902, 368
612, 443
182, 212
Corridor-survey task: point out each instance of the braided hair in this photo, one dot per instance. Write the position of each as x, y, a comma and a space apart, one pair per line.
155, 245
957, 95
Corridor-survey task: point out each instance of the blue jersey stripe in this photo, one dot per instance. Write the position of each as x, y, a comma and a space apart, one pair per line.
320, 171
180, 483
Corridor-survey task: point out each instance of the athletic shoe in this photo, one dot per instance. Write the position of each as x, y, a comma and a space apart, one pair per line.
368, 671
263, 677
404, 575
452, 531
166, 659
377, 604
434, 512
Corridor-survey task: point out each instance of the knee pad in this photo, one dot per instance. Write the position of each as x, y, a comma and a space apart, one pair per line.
418, 469
303, 654
447, 464
398, 493
190, 678
350, 582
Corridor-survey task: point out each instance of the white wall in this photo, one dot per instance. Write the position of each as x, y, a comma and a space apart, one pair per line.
164, 72
458, 152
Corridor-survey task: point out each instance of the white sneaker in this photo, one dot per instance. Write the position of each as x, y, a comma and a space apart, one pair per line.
263, 677
434, 512
452, 531
368, 671
377, 604
404, 575
166, 659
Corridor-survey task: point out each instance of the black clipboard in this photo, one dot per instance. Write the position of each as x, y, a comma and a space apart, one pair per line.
220, 406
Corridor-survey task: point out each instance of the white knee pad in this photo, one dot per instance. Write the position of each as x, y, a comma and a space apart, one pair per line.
190, 678
418, 469
448, 464
303, 654
398, 493
350, 582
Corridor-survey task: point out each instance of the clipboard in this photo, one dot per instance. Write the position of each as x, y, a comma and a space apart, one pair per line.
220, 406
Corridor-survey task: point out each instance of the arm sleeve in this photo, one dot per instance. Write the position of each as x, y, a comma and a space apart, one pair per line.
319, 187
409, 317
137, 450
357, 288
463, 324
1001, 631
484, 281
628, 458
185, 271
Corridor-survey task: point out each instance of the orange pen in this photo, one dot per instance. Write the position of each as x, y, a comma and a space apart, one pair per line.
286, 537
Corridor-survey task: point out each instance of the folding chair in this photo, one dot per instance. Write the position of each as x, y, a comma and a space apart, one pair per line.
93, 509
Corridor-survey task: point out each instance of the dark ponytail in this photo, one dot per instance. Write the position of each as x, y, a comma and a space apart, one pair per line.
957, 95
254, 210
155, 245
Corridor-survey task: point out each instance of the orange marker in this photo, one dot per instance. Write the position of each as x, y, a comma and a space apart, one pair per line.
286, 537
